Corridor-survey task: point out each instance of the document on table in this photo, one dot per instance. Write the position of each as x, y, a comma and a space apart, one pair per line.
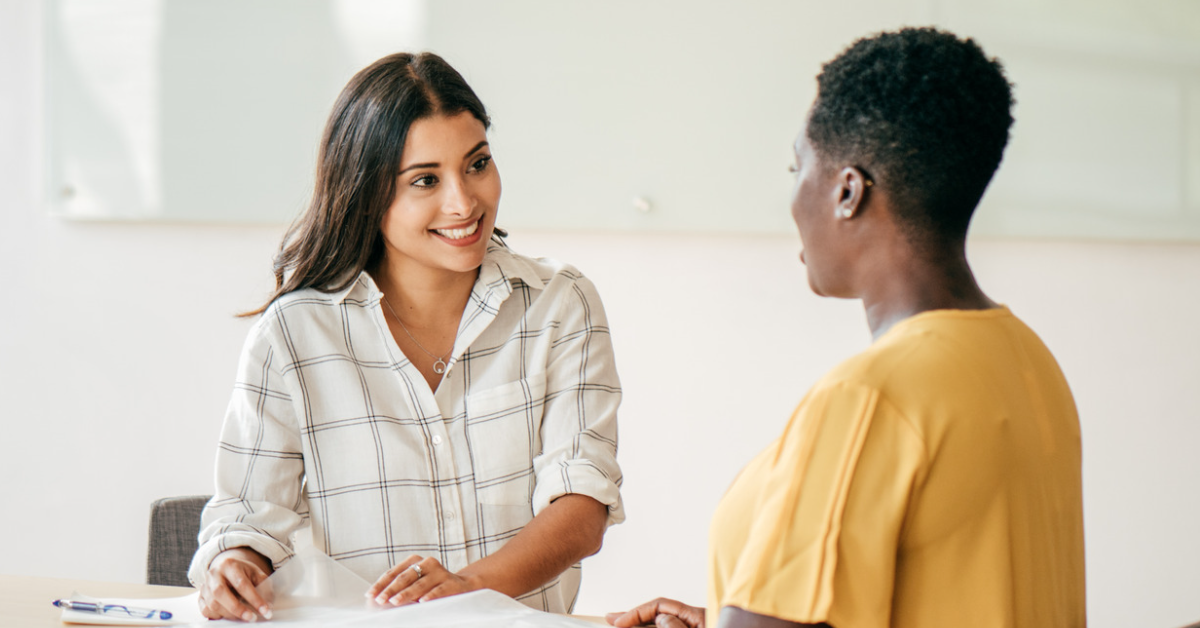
313, 591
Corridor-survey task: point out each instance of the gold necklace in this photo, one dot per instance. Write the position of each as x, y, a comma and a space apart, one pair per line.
439, 366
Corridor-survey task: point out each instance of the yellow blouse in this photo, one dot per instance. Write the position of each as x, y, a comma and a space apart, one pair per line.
932, 480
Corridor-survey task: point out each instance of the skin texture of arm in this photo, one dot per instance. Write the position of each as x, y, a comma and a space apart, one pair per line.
568, 530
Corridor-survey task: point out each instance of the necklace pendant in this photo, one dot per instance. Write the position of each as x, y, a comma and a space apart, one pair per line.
439, 367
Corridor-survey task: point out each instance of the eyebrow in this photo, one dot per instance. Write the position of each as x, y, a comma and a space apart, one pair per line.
434, 164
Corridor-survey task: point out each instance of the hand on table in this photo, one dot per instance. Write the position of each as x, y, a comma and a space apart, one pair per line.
661, 612
229, 586
418, 580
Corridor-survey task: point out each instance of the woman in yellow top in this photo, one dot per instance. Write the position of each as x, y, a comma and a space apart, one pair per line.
934, 479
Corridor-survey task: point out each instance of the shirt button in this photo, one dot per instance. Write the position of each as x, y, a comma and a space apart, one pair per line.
437, 439
450, 516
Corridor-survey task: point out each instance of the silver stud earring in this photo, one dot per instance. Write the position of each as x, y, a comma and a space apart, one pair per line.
845, 212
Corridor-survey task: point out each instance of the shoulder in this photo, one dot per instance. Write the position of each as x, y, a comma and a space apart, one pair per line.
548, 279
940, 366
537, 272
309, 309
552, 289
935, 347
839, 425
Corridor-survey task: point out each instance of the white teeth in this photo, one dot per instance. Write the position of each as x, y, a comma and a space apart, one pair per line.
458, 234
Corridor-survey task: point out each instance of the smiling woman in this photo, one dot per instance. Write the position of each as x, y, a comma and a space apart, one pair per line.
439, 409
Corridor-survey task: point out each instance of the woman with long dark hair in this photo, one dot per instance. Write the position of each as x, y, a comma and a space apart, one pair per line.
439, 409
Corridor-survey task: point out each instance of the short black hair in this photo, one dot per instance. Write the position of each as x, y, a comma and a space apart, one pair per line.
923, 112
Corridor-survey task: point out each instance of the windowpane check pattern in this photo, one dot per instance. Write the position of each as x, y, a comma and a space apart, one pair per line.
331, 425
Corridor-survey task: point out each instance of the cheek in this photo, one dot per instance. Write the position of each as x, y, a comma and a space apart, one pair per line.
802, 208
388, 224
797, 204
400, 221
490, 192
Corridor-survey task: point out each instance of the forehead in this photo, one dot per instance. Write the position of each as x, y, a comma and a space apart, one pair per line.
440, 133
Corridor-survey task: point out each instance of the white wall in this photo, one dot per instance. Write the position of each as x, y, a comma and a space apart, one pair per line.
118, 348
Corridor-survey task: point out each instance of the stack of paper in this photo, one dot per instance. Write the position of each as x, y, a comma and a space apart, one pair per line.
314, 591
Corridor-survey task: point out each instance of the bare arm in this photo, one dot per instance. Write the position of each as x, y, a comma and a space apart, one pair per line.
568, 530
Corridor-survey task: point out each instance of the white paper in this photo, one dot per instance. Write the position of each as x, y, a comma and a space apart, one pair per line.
310, 579
314, 591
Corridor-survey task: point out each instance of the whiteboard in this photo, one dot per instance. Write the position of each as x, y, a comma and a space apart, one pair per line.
664, 116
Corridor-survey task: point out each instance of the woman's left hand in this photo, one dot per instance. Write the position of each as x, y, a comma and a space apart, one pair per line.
418, 579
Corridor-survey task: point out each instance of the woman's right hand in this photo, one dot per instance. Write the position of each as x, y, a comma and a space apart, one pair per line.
229, 586
661, 612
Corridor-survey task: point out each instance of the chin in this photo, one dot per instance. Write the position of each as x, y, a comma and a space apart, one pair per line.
474, 257
814, 285
464, 263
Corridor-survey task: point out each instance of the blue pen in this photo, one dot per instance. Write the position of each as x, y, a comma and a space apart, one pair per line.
118, 610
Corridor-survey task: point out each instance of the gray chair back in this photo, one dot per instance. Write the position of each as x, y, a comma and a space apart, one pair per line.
174, 526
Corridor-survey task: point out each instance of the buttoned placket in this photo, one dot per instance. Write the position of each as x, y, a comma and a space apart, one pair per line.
454, 521
430, 411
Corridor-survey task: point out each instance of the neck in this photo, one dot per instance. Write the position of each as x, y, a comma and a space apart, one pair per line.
910, 283
423, 296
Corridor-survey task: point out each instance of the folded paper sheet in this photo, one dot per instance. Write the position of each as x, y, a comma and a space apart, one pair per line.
312, 590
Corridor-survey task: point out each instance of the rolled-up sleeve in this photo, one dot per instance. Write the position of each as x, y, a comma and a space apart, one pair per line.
259, 498
579, 421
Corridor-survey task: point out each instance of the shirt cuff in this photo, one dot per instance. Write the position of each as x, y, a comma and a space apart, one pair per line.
274, 551
579, 477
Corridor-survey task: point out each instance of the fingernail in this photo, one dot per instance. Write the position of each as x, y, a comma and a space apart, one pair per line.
395, 601
248, 616
265, 612
381, 600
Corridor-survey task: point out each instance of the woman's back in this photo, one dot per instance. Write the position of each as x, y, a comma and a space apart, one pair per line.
932, 480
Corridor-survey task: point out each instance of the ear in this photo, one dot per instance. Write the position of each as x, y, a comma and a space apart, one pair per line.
852, 190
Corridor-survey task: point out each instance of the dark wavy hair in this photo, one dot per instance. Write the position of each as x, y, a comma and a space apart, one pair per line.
339, 234
922, 112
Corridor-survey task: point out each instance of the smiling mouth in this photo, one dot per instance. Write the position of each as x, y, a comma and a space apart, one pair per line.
458, 234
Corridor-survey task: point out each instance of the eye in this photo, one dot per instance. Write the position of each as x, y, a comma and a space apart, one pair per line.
424, 181
481, 164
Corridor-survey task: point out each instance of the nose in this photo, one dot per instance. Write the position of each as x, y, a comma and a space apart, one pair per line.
460, 200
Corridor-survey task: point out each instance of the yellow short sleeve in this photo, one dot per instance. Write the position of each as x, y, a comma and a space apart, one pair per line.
827, 505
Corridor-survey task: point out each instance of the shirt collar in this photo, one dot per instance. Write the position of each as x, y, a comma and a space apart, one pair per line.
361, 290
498, 274
500, 264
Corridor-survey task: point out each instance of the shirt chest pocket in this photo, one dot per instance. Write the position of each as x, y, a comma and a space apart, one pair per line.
503, 431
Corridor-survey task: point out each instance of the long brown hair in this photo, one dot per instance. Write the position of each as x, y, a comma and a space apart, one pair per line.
339, 235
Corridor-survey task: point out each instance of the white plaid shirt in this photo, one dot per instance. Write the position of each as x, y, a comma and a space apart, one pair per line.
330, 422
